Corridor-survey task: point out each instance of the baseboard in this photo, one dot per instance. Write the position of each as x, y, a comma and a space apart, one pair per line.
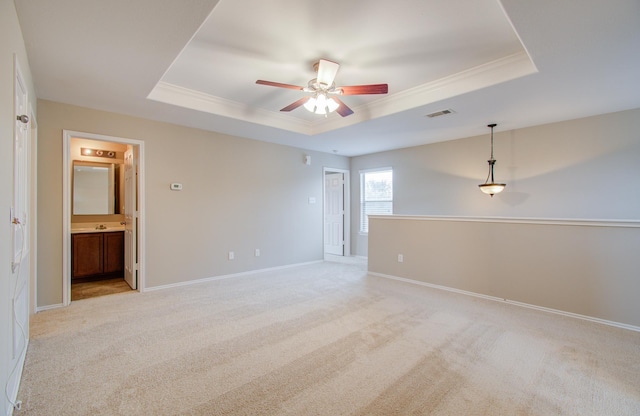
47, 307
193, 282
228, 276
511, 302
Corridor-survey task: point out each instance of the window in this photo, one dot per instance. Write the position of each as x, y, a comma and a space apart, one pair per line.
376, 195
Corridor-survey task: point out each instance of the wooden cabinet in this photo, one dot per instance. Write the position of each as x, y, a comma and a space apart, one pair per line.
113, 252
87, 254
97, 255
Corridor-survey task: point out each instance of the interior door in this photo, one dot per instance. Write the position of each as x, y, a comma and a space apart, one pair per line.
21, 256
130, 219
334, 213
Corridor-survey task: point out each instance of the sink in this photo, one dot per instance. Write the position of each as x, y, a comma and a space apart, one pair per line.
96, 229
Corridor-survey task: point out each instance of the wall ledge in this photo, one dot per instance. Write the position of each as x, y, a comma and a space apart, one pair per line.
515, 220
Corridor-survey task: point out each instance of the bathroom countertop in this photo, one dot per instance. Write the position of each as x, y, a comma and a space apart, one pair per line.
94, 228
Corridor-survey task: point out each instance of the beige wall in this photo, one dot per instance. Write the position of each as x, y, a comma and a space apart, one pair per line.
238, 195
577, 267
11, 42
579, 169
586, 168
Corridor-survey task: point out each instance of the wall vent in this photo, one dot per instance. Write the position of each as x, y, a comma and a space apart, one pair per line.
440, 113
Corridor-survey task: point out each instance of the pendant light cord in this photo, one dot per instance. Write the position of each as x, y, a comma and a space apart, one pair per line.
492, 126
491, 161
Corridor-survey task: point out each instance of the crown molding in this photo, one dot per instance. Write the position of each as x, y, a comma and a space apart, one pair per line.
197, 100
491, 73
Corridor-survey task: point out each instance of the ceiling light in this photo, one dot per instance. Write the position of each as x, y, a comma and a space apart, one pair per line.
492, 187
320, 104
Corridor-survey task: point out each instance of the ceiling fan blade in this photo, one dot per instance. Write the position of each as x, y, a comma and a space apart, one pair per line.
296, 104
364, 89
343, 109
278, 84
327, 71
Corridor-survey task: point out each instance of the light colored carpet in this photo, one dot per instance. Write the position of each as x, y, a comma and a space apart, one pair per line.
322, 339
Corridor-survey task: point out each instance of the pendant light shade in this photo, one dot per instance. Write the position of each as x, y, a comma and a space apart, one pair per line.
491, 188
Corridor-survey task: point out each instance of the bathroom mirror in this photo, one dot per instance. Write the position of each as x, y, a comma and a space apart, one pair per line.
96, 188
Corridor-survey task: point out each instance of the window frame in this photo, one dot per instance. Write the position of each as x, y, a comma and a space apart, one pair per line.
364, 218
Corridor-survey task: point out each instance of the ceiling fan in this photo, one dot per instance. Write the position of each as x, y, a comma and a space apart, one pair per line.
323, 91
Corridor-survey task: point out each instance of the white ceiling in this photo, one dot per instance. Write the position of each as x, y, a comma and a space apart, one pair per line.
195, 62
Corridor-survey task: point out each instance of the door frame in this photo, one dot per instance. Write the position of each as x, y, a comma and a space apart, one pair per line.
33, 238
347, 207
67, 135
130, 218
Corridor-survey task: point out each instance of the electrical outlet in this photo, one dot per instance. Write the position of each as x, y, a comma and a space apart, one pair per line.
400, 258
232, 255
257, 253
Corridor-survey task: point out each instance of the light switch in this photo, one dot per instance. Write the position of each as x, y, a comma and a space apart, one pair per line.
312, 200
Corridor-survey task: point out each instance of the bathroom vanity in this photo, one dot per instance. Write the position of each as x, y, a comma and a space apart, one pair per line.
97, 254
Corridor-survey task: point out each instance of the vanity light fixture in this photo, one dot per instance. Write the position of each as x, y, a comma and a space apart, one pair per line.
98, 152
492, 187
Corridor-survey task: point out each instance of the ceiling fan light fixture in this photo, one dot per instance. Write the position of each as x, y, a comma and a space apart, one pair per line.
311, 104
320, 104
323, 85
332, 105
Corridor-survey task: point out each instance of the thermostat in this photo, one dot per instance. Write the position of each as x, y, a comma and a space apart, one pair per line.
176, 187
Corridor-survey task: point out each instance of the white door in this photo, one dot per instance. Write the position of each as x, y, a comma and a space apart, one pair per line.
334, 213
20, 265
130, 218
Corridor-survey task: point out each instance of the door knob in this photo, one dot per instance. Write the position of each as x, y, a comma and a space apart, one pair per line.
23, 118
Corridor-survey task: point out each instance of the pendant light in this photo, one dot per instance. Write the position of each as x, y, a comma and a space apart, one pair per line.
492, 187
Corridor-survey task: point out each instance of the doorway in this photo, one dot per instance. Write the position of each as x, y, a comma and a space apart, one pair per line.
103, 208
336, 212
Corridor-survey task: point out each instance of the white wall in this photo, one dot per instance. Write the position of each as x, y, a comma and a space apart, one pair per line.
582, 169
238, 195
11, 42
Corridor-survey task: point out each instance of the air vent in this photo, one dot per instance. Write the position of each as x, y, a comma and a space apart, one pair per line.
440, 113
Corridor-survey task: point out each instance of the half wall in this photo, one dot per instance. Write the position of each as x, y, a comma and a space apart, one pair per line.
586, 268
